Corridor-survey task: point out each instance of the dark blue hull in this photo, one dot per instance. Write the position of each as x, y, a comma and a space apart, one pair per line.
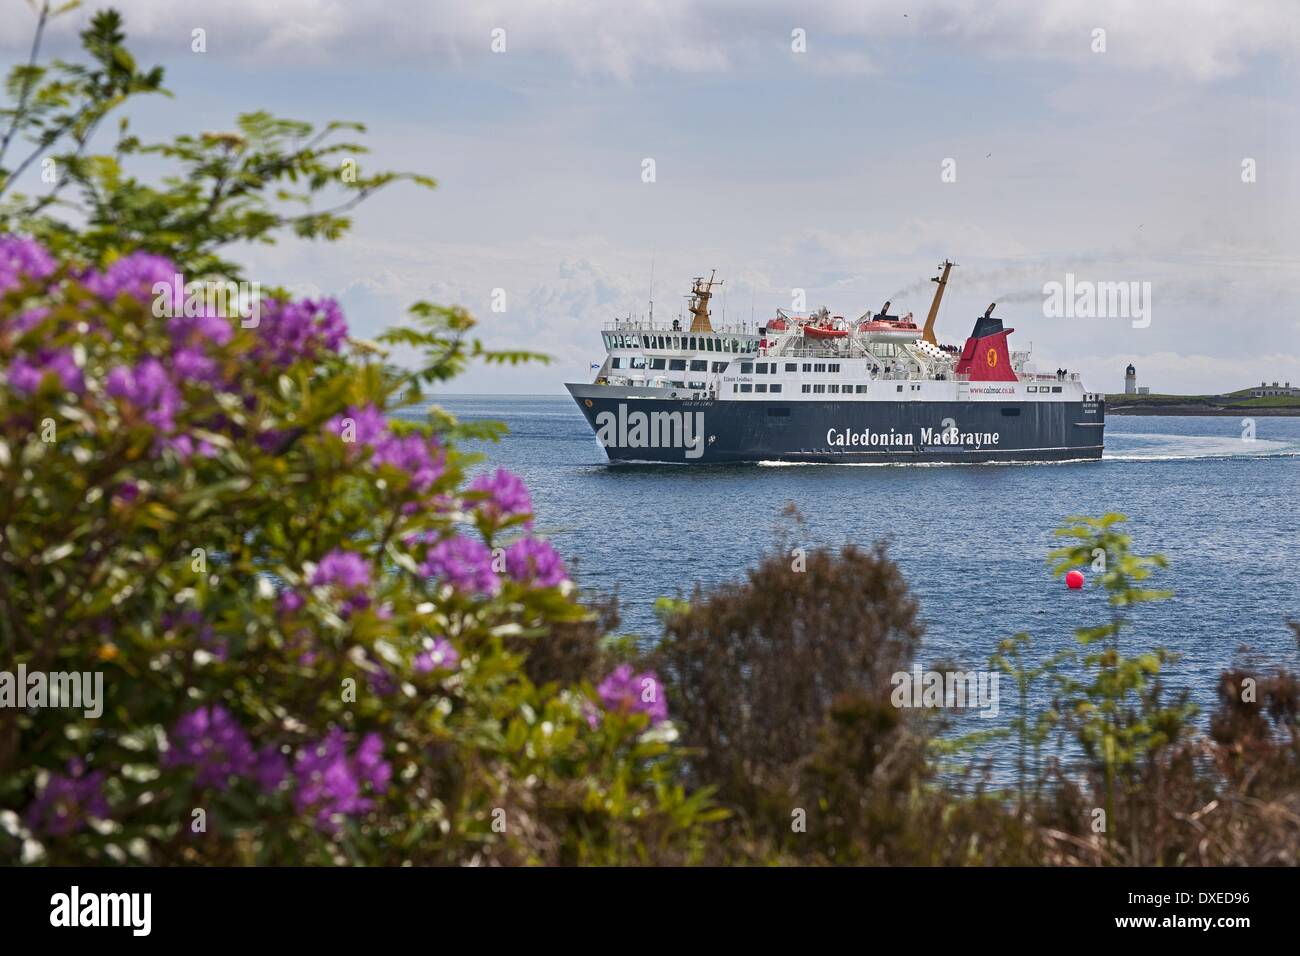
705, 431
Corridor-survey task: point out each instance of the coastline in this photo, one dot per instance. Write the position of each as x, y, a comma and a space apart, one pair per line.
1204, 411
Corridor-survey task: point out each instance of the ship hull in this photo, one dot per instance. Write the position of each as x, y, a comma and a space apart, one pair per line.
708, 431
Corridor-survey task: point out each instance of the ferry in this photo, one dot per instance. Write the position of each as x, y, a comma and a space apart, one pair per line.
817, 388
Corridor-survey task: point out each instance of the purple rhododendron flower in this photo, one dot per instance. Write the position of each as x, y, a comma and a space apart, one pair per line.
22, 258
135, 274
210, 740
270, 769
27, 373
463, 563
416, 455
507, 495
68, 802
347, 569
148, 388
331, 783
531, 559
441, 657
299, 330
364, 427
634, 693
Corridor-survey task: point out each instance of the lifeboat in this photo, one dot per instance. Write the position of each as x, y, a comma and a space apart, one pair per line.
822, 332
878, 330
777, 325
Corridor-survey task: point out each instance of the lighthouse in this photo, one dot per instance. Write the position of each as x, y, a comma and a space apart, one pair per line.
1130, 380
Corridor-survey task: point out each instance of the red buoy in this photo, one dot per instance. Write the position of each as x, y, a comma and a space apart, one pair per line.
1074, 580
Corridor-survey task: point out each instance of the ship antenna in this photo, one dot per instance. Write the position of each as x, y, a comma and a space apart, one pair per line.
652, 290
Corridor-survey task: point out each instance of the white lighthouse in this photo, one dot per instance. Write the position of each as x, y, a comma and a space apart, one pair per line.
1130, 380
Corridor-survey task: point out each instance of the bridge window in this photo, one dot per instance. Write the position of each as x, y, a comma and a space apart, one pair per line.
699, 365
678, 365
657, 363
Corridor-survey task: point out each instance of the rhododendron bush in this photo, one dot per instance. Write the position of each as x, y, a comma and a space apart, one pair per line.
311, 627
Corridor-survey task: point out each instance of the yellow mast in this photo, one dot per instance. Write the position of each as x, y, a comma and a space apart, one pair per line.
928, 334
701, 292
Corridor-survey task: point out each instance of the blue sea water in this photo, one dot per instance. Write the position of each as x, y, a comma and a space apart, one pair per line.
970, 539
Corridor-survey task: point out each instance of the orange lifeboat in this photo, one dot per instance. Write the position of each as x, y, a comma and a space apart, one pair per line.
821, 332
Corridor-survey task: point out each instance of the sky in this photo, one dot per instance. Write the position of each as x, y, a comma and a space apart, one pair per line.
841, 148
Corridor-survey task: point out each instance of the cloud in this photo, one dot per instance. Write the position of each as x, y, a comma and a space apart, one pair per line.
1202, 40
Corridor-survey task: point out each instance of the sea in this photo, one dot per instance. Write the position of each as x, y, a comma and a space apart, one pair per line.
1221, 505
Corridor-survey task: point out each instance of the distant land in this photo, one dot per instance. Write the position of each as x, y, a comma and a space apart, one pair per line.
1233, 403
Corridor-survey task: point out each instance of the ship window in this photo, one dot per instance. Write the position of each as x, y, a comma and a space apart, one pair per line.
616, 363
833, 367
719, 366
746, 368
1033, 388
900, 388
775, 388
699, 365
747, 388
1010, 412
657, 363
860, 389
760, 387
678, 365
762, 368
638, 362
807, 389
819, 388
819, 367
735, 345
661, 341
807, 366
778, 413
1056, 388
834, 389
700, 385
792, 366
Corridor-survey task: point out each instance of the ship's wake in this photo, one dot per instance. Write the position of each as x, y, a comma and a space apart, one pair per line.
1164, 447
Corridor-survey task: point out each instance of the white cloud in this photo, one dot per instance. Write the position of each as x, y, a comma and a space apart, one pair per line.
1203, 39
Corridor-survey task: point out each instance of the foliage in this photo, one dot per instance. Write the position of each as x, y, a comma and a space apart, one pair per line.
314, 634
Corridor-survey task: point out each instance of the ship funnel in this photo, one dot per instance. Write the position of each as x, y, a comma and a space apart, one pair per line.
989, 311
